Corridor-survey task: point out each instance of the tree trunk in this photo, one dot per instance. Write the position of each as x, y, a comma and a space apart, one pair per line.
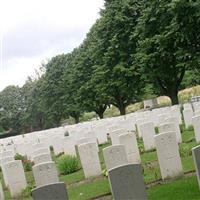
100, 111
173, 94
77, 119
122, 109
100, 115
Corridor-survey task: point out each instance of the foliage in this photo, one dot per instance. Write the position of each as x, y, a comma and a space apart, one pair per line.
168, 43
26, 163
68, 164
135, 50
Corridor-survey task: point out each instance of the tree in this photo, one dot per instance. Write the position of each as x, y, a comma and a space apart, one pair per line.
120, 79
168, 43
53, 89
11, 106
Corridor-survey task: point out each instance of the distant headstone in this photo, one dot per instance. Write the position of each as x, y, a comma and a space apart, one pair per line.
148, 133
170, 127
196, 157
101, 134
115, 156
114, 135
126, 182
187, 115
196, 125
175, 121
41, 151
5, 160
45, 173
69, 146
130, 143
89, 159
168, 155
6, 154
57, 144
54, 191
41, 158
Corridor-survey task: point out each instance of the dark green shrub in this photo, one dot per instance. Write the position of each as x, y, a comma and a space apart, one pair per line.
67, 164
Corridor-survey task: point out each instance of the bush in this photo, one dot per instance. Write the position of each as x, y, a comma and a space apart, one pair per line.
67, 164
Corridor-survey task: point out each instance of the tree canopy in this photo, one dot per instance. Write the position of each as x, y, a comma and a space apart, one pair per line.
134, 48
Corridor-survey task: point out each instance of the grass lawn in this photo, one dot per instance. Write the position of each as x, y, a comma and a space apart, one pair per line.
183, 189
79, 188
89, 190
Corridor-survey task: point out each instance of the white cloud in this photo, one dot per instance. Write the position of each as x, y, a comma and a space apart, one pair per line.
34, 30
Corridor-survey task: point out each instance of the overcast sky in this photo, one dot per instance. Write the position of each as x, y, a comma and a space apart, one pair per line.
33, 31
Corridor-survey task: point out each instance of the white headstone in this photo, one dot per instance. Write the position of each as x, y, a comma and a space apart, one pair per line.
115, 156
148, 133
45, 173
114, 135
175, 121
89, 159
129, 141
69, 146
15, 176
196, 125
187, 115
41, 151
168, 155
42, 158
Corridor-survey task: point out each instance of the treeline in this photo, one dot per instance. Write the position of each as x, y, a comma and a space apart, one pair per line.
135, 48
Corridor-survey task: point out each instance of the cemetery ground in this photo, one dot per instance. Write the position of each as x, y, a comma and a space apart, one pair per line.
79, 188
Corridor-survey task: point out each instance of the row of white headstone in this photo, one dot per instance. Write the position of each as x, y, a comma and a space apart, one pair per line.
123, 152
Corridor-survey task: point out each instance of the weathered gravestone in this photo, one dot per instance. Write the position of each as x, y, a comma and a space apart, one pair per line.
1, 192
196, 157
69, 146
174, 120
127, 183
39, 146
187, 115
6, 154
41, 151
89, 159
5, 160
41, 158
115, 156
45, 173
14, 174
101, 134
137, 125
148, 133
114, 135
168, 155
196, 125
130, 143
57, 144
54, 191
169, 127
88, 140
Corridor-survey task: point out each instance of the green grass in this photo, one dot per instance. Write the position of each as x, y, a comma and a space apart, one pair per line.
148, 157
183, 189
73, 178
89, 190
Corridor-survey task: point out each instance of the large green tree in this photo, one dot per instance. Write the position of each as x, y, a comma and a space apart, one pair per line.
11, 108
169, 36
115, 45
